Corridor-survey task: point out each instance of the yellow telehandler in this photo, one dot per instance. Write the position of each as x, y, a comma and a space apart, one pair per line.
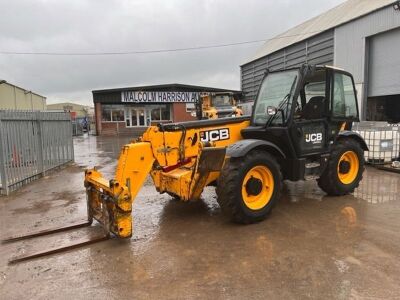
218, 105
300, 129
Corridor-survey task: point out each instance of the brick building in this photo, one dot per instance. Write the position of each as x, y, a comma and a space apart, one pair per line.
129, 111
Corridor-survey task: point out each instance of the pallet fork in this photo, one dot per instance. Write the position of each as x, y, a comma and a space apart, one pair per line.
17, 259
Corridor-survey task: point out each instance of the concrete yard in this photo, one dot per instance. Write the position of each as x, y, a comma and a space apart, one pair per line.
311, 246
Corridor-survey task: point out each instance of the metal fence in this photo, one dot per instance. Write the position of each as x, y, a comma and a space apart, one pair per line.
77, 128
32, 143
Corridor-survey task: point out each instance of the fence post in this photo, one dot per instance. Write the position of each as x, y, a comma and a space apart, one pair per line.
40, 141
72, 142
3, 173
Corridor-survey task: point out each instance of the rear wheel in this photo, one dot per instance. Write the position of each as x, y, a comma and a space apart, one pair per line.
344, 170
248, 187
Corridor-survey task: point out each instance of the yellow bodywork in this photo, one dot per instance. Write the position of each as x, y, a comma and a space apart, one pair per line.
181, 162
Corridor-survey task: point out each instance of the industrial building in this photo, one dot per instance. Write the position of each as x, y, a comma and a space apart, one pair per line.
362, 37
130, 110
76, 110
82, 116
15, 97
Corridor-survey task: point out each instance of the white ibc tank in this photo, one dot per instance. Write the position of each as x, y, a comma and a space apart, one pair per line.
383, 141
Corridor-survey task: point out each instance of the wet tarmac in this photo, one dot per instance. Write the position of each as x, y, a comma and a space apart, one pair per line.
311, 246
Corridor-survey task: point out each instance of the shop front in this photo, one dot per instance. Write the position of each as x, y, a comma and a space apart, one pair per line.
136, 115
129, 111
147, 115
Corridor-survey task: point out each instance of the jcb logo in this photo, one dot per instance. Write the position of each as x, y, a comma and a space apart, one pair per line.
214, 135
314, 138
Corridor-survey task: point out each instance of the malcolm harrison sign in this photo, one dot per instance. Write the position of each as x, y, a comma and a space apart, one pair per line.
159, 97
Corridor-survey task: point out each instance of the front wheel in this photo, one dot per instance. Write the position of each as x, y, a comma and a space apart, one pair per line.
344, 170
248, 187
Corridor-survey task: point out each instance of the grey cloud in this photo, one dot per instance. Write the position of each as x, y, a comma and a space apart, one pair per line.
107, 26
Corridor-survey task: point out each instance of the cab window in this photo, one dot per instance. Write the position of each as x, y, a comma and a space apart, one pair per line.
344, 102
311, 102
276, 91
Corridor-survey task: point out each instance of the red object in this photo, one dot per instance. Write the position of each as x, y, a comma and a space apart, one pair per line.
73, 115
181, 163
15, 157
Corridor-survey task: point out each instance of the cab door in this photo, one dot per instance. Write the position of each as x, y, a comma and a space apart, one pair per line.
344, 104
309, 130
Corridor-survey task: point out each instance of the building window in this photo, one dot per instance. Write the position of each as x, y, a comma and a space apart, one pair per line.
105, 114
190, 107
165, 113
156, 114
117, 115
134, 113
112, 113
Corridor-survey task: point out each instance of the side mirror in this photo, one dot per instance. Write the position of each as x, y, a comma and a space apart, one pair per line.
271, 110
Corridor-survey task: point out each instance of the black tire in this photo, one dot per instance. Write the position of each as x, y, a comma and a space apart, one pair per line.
329, 181
230, 183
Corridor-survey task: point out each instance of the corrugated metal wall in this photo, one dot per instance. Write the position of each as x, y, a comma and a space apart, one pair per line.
351, 46
350, 39
13, 97
316, 50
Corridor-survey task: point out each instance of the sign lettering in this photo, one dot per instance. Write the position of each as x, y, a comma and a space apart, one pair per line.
315, 138
159, 97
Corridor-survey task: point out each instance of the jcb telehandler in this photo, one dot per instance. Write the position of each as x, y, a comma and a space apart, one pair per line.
217, 105
300, 129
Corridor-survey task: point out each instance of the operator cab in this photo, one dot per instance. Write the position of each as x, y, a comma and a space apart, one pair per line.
302, 111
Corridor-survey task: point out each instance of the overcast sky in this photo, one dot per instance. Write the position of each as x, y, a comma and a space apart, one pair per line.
136, 25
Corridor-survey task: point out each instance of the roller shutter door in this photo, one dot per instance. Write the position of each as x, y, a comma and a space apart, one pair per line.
384, 64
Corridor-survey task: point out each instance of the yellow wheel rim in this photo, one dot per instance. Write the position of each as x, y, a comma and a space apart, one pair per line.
257, 187
348, 173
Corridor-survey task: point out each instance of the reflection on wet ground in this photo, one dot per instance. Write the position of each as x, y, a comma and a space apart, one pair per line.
311, 246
